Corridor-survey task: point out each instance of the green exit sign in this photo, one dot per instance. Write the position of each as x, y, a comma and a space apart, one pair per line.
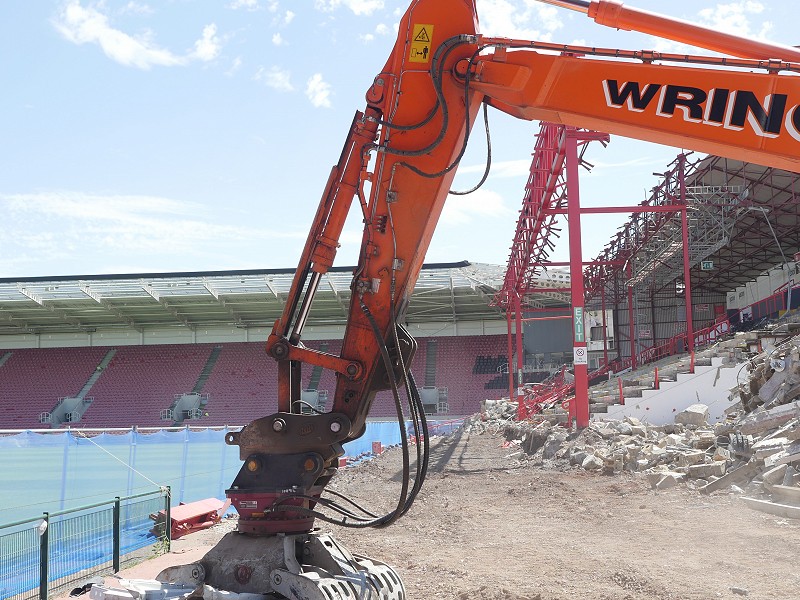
580, 336
707, 265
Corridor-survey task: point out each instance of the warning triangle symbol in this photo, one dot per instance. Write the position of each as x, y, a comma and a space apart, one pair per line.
422, 36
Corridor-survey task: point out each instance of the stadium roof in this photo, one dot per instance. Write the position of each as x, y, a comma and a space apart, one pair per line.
445, 292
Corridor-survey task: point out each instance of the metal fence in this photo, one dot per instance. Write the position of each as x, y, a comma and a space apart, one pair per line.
44, 556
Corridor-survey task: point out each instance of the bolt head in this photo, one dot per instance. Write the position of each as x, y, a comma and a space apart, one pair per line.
336, 427
278, 425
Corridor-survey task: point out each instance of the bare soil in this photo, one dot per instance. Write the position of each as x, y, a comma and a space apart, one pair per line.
490, 523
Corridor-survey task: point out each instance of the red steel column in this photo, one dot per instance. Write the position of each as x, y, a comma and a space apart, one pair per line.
687, 275
511, 389
605, 336
581, 400
631, 322
520, 353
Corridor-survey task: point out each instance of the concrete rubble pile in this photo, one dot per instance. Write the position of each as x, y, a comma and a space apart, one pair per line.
754, 453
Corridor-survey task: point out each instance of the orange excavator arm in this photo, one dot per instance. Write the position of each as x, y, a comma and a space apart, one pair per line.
398, 162
420, 109
739, 114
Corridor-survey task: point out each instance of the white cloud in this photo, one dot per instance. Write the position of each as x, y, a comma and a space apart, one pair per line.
732, 17
98, 229
359, 7
136, 8
235, 66
531, 21
208, 47
318, 91
482, 204
275, 77
87, 25
277, 39
81, 25
380, 29
508, 168
288, 17
245, 4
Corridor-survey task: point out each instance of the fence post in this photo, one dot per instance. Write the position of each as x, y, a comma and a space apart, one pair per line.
168, 518
117, 530
44, 556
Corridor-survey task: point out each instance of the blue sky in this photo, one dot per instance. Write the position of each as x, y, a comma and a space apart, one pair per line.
189, 135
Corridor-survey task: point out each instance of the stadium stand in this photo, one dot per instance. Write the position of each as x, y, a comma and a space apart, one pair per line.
141, 381
33, 380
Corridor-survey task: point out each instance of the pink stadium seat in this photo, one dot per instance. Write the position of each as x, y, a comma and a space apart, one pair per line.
143, 380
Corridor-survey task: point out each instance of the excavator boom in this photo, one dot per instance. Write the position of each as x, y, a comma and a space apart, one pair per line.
398, 162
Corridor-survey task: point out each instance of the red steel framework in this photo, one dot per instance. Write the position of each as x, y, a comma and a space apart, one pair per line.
553, 190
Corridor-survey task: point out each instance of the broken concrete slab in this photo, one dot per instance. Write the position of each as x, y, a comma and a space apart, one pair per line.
713, 469
764, 420
773, 508
695, 414
785, 494
741, 474
774, 475
784, 457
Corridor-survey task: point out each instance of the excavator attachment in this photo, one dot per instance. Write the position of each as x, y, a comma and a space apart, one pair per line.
309, 566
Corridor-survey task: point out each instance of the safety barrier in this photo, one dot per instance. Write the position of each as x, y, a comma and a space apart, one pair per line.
50, 551
40, 557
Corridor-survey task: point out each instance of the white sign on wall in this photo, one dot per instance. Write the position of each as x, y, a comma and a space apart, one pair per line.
580, 356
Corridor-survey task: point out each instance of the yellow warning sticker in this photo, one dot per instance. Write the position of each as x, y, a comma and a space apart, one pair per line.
421, 43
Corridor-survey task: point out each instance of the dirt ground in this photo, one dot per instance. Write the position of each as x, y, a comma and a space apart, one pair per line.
490, 523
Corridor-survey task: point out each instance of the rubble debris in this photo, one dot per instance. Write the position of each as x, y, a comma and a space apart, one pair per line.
755, 452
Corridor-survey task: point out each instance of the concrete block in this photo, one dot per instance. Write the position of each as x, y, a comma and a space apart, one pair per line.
593, 463
653, 477
670, 480
623, 428
721, 454
695, 414
577, 454
674, 439
774, 475
714, 469
691, 457
553, 443
704, 439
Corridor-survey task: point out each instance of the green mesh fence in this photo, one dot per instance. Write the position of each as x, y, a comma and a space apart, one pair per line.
19, 561
45, 557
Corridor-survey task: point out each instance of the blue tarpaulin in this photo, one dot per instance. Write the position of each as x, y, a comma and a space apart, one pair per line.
57, 471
